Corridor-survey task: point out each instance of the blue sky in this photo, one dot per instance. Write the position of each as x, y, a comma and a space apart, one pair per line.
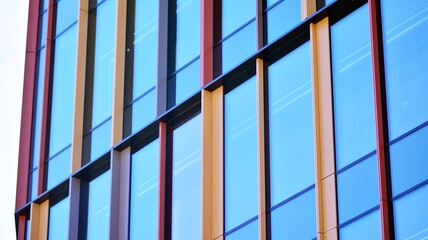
13, 32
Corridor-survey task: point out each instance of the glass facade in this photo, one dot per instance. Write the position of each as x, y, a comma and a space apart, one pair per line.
306, 123
62, 95
240, 159
144, 193
291, 148
99, 79
354, 126
186, 181
183, 50
141, 64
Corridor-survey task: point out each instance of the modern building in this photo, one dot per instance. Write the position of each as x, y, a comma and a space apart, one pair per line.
224, 119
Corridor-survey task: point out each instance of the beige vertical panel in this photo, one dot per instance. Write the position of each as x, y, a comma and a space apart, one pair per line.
74, 193
206, 164
161, 83
125, 171
217, 163
261, 147
324, 143
115, 196
309, 7
79, 88
119, 72
39, 220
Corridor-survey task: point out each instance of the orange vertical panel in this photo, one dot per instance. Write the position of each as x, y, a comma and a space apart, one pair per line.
207, 41
27, 106
380, 116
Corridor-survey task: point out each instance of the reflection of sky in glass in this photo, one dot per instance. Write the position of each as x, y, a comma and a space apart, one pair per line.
99, 207
58, 219
186, 181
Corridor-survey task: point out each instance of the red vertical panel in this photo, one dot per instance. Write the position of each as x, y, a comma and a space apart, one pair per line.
259, 23
21, 225
163, 138
207, 41
380, 115
45, 104
27, 105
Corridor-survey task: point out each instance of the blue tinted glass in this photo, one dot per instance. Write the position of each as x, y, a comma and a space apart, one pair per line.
33, 179
45, 4
187, 81
271, 2
98, 141
238, 47
58, 220
295, 219
144, 193
103, 61
367, 228
145, 46
409, 161
411, 214
63, 91
99, 207
405, 27
235, 14
248, 232
59, 168
188, 31
66, 14
357, 189
290, 123
354, 122
37, 124
328, 2
27, 229
43, 25
282, 18
143, 110
186, 181
240, 170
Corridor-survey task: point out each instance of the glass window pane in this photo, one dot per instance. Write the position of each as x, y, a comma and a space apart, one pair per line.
97, 143
295, 219
405, 27
411, 214
357, 189
184, 83
145, 46
409, 161
58, 219
291, 127
32, 188
43, 25
282, 18
66, 15
238, 47
37, 122
143, 111
144, 193
367, 228
235, 14
354, 122
103, 60
63, 91
186, 180
59, 168
99, 207
248, 232
240, 163
188, 31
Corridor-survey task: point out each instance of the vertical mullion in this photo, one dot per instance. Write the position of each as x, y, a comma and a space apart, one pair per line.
325, 177
207, 41
260, 73
163, 138
46, 98
381, 117
162, 51
259, 23
119, 73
